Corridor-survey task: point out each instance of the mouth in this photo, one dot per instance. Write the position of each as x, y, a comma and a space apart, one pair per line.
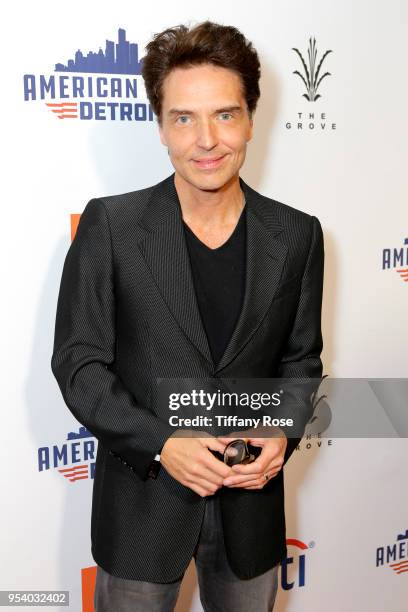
208, 163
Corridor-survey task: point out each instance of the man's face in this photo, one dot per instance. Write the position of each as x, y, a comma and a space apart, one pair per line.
205, 124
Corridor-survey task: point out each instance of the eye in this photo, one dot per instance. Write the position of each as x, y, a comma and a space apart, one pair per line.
226, 115
181, 118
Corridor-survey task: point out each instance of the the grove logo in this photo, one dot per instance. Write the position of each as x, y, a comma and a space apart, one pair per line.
311, 77
310, 118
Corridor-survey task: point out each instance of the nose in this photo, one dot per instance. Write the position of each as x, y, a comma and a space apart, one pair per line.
206, 135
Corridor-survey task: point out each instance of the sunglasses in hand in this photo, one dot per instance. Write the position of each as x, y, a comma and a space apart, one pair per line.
237, 452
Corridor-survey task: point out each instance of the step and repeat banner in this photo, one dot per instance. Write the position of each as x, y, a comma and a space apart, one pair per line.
330, 139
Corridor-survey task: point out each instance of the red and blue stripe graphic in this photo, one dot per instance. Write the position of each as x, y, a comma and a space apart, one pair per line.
64, 110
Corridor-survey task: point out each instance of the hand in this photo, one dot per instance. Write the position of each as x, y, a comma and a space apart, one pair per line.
269, 462
190, 461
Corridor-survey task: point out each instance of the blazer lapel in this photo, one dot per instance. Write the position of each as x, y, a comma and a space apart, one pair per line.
165, 252
265, 257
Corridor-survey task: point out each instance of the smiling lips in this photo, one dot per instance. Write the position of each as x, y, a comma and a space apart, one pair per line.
208, 163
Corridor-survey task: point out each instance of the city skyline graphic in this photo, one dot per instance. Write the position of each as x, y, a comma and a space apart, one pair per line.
119, 58
82, 432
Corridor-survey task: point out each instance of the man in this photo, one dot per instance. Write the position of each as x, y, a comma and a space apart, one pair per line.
198, 276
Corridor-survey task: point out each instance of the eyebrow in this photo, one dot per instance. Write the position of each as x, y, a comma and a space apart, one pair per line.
224, 109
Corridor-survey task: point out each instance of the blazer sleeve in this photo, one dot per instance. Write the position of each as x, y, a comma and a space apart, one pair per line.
301, 357
84, 349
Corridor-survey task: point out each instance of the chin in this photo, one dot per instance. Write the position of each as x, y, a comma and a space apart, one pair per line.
210, 181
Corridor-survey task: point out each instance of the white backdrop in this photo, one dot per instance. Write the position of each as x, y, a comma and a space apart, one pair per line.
344, 498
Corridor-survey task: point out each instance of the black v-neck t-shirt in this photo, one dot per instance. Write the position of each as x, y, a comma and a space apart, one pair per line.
219, 282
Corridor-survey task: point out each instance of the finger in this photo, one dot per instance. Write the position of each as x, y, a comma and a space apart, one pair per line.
264, 461
203, 483
214, 444
271, 468
249, 486
201, 491
243, 480
259, 482
206, 466
244, 484
217, 466
207, 475
234, 480
255, 483
255, 467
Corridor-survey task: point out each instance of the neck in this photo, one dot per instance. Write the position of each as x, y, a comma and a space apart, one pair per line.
210, 208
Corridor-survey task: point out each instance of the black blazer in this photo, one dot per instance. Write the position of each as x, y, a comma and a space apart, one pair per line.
127, 315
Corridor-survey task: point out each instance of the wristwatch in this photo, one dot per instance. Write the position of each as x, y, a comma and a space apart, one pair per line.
154, 467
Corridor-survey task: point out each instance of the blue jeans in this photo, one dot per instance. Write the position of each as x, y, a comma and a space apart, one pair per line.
220, 589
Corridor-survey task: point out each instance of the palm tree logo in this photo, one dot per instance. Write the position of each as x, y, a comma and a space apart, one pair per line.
311, 76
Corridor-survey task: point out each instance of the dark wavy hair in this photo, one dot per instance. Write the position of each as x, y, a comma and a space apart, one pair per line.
205, 43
